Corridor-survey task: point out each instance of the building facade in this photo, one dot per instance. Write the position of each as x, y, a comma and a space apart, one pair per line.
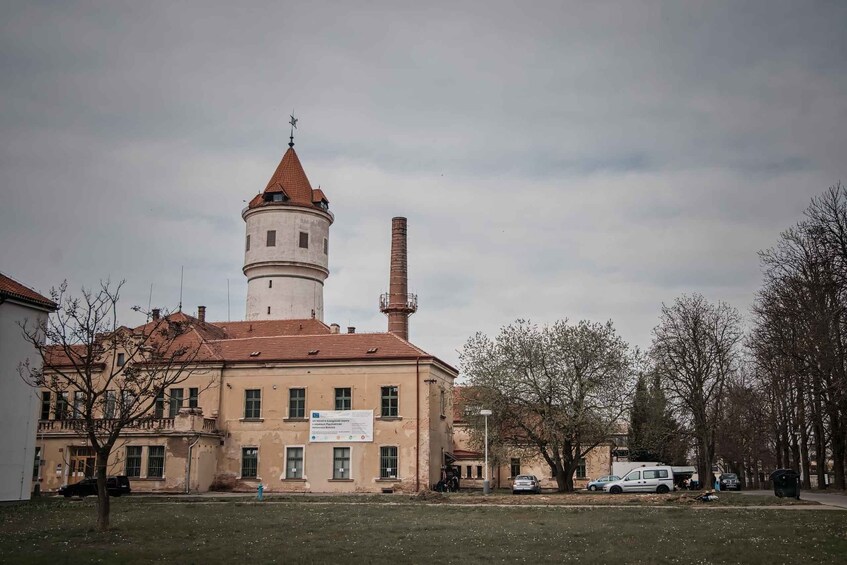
19, 306
280, 399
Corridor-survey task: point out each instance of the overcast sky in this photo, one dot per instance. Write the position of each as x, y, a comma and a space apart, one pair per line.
565, 159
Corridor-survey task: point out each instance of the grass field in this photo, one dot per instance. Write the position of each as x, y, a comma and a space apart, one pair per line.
343, 531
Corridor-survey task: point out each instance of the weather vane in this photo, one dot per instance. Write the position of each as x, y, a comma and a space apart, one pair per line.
293, 123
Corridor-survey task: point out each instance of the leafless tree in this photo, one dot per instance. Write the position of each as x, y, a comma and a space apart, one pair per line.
695, 350
79, 348
556, 392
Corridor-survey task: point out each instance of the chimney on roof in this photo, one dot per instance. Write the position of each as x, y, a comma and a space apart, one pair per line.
156, 313
334, 328
201, 313
351, 329
398, 304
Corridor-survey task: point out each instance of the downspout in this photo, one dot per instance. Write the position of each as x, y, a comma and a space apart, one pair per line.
188, 470
418, 424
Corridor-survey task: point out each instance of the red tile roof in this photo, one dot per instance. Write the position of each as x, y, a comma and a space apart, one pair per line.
329, 347
289, 179
10, 288
265, 328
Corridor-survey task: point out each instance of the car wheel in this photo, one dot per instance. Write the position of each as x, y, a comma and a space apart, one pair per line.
663, 489
592, 488
616, 490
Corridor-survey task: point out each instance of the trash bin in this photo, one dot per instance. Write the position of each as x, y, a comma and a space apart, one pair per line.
786, 483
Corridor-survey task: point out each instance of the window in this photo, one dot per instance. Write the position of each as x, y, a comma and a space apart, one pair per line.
45, 405
121, 359
343, 399
79, 404
443, 405
109, 407
304, 240
175, 402
127, 401
390, 405
326, 246
133, 461
469, 472
294, 463
277, 197
656, 474
159, 406
388, 462
271, 238
36, 464
479, 471
270, 283
580, 469
297, 403
252, 404
341, 463
269, 310
156, 461
193, 395
61, 406
249, 462
633, 476
515, 467
247, 245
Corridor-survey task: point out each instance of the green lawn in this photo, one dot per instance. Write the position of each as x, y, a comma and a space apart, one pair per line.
152, 530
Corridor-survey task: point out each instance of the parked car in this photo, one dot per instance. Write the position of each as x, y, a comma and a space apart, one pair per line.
115, 486
729, 481
644, 479
526, 483
598, 484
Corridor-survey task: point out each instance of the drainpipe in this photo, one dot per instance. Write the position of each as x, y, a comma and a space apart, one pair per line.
188, 470
418, 424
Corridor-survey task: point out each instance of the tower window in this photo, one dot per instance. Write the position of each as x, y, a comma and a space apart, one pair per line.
269, 309
304, 240
247, 246
270, 283
326, 246
277, 197
271, 238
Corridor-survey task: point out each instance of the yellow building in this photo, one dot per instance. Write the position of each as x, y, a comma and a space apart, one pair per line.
281, 399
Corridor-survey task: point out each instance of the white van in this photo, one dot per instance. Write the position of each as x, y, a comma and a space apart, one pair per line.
656, 478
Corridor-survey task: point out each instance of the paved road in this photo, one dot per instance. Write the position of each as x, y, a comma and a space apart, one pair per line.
829, 499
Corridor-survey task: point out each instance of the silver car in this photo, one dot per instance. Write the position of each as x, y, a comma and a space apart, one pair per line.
526, 483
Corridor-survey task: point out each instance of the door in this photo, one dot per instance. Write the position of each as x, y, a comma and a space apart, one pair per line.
81, 464
650, 480
632, 482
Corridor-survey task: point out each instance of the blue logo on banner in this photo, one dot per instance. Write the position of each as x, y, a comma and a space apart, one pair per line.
316, 415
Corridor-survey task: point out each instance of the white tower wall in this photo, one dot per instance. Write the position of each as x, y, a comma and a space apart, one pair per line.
286, 278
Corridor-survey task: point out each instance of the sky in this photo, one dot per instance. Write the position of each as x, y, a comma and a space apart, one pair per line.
580, 160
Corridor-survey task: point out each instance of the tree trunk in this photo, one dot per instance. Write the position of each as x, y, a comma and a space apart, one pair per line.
102, 493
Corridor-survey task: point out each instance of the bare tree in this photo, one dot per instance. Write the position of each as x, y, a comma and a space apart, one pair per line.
556, 392
695, 349
117, 374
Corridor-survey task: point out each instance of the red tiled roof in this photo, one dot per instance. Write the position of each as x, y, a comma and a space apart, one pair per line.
289, 179
330, 347
465, 454
265, 328
10, 288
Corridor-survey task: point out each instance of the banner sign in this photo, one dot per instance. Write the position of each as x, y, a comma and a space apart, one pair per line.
341, 425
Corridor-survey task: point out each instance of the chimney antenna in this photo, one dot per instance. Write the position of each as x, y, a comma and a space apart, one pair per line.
149, 302
181, 273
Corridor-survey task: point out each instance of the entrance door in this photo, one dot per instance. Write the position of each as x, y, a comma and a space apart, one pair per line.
81, 464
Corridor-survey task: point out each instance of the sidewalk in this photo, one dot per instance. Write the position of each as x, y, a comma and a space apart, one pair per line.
835, 500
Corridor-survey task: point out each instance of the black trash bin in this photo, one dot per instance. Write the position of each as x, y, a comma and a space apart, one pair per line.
786, 483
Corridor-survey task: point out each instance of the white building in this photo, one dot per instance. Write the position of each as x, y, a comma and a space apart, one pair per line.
18, 401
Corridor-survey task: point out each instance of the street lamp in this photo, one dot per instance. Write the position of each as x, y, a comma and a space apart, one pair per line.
486, 484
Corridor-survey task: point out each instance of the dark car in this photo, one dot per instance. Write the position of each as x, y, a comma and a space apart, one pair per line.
115, 486
729, 481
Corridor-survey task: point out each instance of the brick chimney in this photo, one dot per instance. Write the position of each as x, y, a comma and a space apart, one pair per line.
156, 313
351, 329
334, 328
201, 313
398, 304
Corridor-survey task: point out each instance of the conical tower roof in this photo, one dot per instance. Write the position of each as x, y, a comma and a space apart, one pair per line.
290, 180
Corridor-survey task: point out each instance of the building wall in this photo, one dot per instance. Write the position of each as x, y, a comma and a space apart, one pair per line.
18, 402
420, 437
297, 274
